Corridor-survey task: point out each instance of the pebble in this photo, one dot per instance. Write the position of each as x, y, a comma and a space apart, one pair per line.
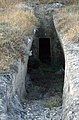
37, 111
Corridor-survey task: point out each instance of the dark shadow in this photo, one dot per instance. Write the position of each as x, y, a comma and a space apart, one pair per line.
44, 50
46, 67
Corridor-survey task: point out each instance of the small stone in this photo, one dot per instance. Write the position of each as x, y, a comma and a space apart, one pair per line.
48, 115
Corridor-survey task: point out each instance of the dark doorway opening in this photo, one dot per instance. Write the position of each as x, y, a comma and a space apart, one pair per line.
44, 50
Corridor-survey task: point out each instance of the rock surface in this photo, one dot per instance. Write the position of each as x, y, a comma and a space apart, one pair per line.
35, 110
12, 88
71, 83
11, 107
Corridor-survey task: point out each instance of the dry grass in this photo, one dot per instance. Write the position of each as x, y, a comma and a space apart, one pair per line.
9, 2
61, 1
14, 26
5, 3
46, 1
69, 22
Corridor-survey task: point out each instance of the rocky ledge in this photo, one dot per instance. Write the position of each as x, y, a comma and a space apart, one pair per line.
67, 31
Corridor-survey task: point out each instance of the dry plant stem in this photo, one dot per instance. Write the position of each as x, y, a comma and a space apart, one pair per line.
14, 26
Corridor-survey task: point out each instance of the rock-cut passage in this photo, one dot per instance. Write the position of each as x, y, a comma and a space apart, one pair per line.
44, 81
44, 87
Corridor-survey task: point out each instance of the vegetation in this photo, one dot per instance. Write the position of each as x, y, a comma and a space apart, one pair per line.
10, 2
5, 3
69, 22
14, 26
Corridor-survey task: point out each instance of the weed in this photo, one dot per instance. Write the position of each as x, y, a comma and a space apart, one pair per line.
69, 22
14, 26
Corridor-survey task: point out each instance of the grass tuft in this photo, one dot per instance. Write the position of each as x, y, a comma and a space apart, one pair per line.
68, 22
14, 26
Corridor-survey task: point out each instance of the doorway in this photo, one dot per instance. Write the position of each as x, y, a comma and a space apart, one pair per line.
44, 50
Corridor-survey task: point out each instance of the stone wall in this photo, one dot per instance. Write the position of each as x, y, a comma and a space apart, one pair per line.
12, 87
71, 81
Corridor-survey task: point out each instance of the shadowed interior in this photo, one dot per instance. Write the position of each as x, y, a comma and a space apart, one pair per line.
44, 49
